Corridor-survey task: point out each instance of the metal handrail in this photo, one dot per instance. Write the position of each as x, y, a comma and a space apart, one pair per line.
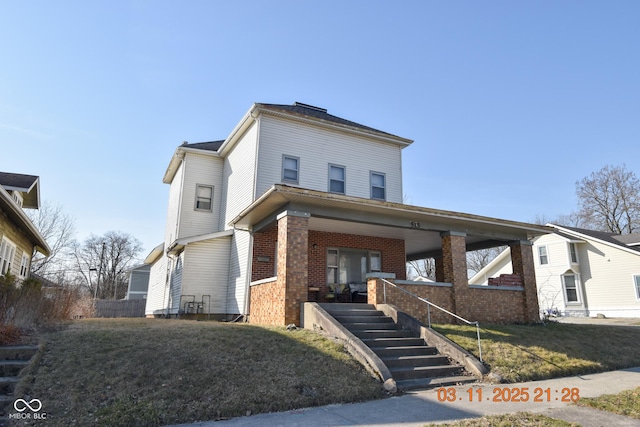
429, 304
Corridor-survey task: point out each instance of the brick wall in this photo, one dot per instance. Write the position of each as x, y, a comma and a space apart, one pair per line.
482, 304
506, 280
264, 246
266, 303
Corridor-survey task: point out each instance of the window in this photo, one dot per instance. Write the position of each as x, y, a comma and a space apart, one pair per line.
570, 288
332, 266
7, 252
542, 255
290, 169
636, 280
573, 253
204, 197
24, 265
375, 263
378, 186
337, 177
346, 265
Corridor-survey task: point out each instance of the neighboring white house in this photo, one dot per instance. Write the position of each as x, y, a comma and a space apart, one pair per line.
580, 272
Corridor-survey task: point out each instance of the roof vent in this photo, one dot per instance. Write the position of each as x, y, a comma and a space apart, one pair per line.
311, 107
184, 143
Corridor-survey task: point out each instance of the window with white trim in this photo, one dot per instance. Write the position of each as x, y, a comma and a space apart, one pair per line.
347, 265
378, 185
7, 252
573, 253
542, 255
290, 169
337, 179
570, 282
636, 281
204, 197
24, 265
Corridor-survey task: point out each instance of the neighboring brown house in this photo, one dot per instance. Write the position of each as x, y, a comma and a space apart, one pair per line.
19, 237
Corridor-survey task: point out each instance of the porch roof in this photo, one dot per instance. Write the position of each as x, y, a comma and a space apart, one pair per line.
419, 227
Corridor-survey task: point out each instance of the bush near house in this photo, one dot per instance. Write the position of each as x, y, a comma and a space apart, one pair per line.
26, 305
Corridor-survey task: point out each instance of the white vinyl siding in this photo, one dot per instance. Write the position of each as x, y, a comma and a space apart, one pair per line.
239, 273
239, 173
158, 288
317, 147
203, 171
175, 283
206, 273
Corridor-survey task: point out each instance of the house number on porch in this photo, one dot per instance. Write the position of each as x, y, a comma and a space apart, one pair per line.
415, 224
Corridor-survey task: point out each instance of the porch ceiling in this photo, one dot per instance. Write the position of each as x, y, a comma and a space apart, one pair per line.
419, 227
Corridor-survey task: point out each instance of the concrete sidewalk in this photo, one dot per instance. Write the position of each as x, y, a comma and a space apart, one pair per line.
422, 407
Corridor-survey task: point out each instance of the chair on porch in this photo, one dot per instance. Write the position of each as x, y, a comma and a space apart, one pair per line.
358, 291
335, 290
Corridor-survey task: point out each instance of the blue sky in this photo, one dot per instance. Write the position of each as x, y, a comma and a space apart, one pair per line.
509, 103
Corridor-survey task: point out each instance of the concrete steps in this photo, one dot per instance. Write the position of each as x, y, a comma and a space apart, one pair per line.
13, 359
412, 363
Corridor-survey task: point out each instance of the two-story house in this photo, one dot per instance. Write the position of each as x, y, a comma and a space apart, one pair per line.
19, 237
293, 201
581, 272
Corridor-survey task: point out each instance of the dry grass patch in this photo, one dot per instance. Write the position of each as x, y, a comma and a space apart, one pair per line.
520, 419
626, 403
149, 372
535, 352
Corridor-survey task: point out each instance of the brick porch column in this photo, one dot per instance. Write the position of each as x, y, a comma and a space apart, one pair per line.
454, 267
439, 270
522, 261
293, 257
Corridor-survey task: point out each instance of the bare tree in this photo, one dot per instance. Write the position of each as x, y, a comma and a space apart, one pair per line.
104, 260
422, 268
478, 259
609, 200
58, 229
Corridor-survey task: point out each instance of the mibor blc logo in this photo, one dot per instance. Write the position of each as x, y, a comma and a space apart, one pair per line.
28, 410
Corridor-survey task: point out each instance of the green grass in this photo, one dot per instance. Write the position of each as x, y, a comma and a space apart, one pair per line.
535, 352
626, 403
149, 372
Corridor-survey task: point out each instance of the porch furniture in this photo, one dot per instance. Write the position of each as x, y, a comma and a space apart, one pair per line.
358, 291
335, 290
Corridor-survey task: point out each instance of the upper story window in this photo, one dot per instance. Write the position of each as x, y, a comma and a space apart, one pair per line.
290, 169
337, 179
204, 197
378, 186
636, 281
542, 255
573, 253
7, 252
24, 265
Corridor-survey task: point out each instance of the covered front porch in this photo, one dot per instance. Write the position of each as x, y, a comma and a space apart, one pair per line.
306, 241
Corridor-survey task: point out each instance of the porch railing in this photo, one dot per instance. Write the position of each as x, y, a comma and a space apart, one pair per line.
429, 305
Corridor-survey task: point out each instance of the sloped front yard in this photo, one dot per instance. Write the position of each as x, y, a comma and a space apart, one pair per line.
149, 372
